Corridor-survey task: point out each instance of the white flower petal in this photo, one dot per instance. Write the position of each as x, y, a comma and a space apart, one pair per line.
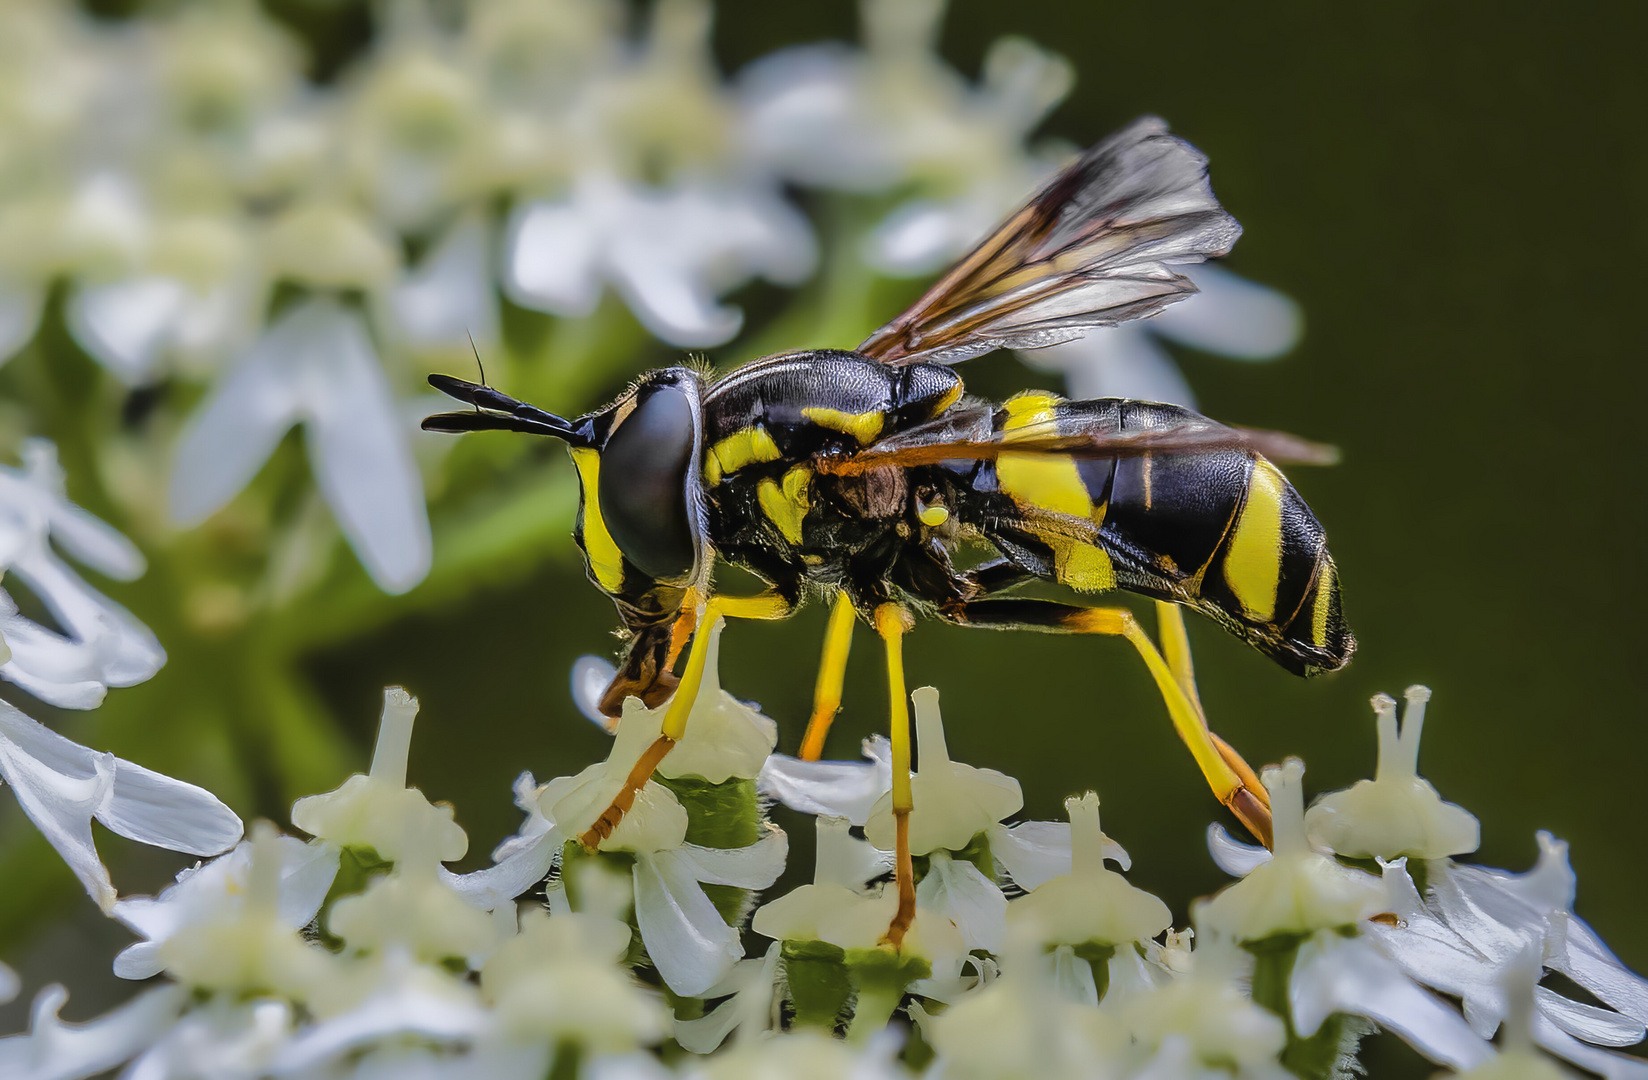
1584, 958
60, 803
920, 236
1033, 852
1604, 1063
125, 325
1231, 317
20, 307
591, 675
522, 868
844, 789
956, 890
53, 1050
551, 261
449, 297
1604, 1027
111, 646
672, 303
1338, 974
93, 542
689, 942
231, 1041
154, 809
753, 867
361, 453
229, 437
1231, 855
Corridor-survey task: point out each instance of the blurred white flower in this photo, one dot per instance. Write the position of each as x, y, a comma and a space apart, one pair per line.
221, 1039
306, 872
100, 645
62, 786
53, 1050
669, 252
843, 789
1230, 317
315, 366
448, 299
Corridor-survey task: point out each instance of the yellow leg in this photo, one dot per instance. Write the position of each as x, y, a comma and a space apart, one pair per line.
832, 674
1236, 787
1176, 650
891, 624
765, 606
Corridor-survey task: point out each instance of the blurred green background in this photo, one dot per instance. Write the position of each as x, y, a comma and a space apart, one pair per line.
1453, 194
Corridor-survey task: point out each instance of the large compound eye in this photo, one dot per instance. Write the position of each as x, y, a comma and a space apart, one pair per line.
643, 485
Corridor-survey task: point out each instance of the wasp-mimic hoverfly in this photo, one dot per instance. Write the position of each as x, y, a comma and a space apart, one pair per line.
862, 472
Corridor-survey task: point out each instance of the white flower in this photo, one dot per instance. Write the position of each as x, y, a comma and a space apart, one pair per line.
387, 998
377, 810
1299, 890
217, 890
1230, 316
53, 1050
1397, 812
447, 300
560, 982
239, 942
223, 1039
1091, 903
102, 645
1476, 922
837, 910
62, 786
669, 252
315, 365
410, 910
953, 802
1031, 852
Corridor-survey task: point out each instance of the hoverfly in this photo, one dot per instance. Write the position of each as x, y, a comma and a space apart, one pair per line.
860, 473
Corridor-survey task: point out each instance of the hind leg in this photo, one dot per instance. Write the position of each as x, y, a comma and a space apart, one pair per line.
1234, 785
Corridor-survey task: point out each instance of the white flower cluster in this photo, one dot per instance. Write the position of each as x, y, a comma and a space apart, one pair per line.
216, 218
357, 953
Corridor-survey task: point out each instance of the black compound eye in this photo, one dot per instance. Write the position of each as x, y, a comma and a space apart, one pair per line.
643, 485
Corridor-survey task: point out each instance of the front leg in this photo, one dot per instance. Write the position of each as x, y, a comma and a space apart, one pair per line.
763, 606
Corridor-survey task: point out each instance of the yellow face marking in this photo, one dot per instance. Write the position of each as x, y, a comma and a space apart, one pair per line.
1084, 567
751, 446
933, 516
1253, 560
787, 506
606, 562
1047, 481
864, 426
1326, 583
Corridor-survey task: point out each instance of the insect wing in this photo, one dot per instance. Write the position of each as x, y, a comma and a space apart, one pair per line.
1095, 247
969, 437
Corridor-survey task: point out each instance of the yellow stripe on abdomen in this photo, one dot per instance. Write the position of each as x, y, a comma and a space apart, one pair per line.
606, 562
1045, 481
1253, 555
1326, 583
1053, 482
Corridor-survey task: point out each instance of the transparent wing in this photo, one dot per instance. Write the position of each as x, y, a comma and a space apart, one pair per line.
966, 435
1095, 247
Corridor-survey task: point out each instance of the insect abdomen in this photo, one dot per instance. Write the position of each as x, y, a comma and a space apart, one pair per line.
1222, 531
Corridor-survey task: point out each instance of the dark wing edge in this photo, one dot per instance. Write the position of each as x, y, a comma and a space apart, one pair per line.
1095, 247
967, 437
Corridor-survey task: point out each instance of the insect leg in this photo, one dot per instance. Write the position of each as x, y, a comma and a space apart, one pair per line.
1176, 649
1245, 797
891, 622
832, 673
763, 606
